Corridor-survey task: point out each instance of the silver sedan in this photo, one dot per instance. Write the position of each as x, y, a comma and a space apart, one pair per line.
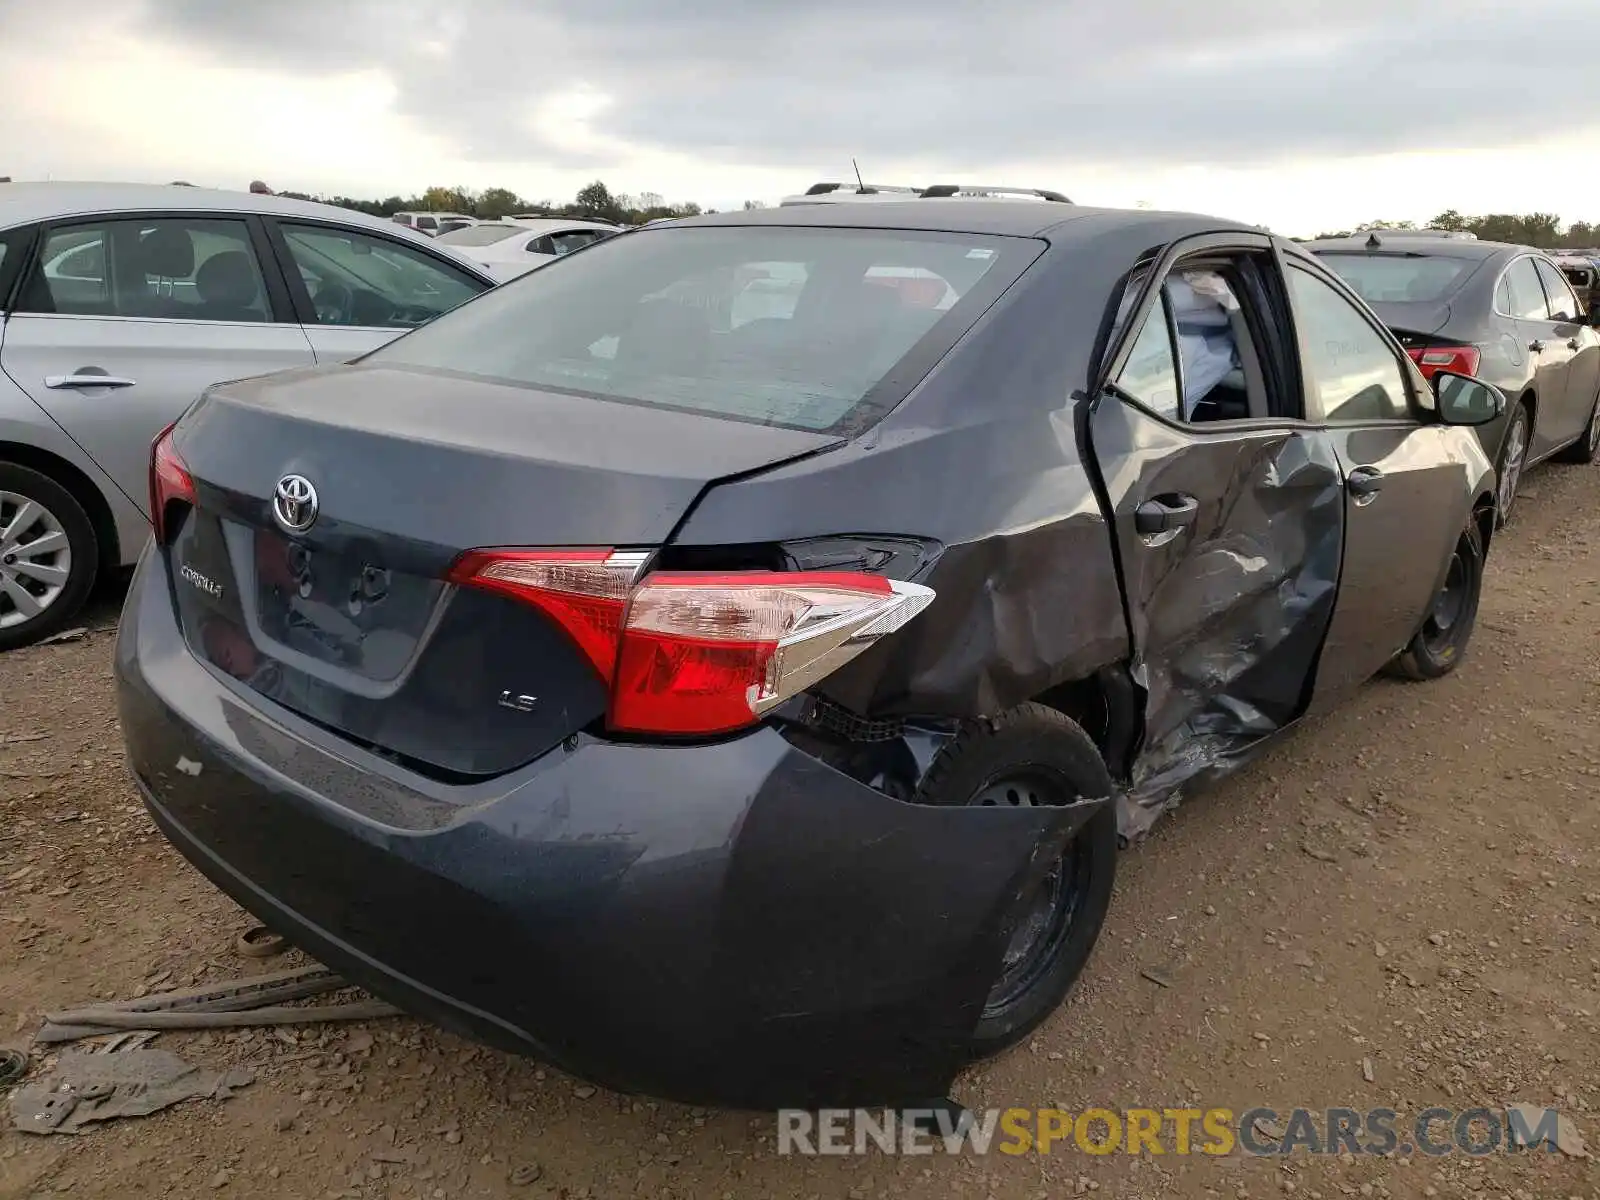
120, 303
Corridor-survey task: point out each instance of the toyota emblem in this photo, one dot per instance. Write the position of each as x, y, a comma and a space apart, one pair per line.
294, 503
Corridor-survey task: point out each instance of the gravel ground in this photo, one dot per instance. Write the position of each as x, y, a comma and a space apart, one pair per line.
1396, 906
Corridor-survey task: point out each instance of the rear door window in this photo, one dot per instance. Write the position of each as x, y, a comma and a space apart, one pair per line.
176, 268
795, 327
1528, 301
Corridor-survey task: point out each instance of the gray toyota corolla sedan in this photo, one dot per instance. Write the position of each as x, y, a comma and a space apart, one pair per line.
735, 693
1503, 313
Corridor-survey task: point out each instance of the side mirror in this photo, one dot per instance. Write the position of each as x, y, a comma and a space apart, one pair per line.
1463, 400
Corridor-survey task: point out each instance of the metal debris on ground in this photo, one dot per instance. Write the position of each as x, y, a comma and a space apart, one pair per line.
66, 635
13, 1065
254, 1001
87, 1088
259, 942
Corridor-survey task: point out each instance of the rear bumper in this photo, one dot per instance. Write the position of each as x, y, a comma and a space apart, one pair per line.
736, 924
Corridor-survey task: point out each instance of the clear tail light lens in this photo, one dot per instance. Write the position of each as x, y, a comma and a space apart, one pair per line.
1463, 360
696, 653
170, 481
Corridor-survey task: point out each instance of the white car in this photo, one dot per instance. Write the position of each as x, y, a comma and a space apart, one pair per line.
507, 249
431, 223
119, 304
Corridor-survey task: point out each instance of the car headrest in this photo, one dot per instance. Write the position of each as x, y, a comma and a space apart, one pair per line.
228, 278
167, 251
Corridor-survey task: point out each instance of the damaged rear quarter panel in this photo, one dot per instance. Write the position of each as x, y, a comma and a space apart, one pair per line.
983, 457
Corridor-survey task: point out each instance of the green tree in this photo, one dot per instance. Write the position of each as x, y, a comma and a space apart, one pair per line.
496, 202
1450, 219
596, 200
444, 199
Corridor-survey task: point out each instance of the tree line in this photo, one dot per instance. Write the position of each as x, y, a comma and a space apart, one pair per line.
593, 201
1541, 230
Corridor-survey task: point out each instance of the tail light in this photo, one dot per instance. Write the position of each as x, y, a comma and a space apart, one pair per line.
697, 652
169, 481
1463, 360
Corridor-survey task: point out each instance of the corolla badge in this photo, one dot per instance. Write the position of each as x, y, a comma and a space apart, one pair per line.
294, 503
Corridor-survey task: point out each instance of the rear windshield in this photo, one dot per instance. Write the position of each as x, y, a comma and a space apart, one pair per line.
1398, 278
477, 235
815, 329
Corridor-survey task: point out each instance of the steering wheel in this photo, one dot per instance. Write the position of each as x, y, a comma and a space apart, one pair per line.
333, 303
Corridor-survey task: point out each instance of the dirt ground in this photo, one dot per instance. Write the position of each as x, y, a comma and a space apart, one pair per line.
1399, 905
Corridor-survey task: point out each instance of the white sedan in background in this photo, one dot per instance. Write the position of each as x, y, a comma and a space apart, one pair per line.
507, 249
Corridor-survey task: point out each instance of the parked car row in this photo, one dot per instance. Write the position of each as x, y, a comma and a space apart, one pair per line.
780, 616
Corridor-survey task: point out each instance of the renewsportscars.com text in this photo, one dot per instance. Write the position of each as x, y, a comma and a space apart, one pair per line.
1177, 1131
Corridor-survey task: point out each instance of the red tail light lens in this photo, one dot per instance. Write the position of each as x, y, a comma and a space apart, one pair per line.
694, 652
1463, 360
584, 591
169, 481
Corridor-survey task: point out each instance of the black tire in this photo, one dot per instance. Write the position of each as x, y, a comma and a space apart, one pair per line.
1505, 499
1440, 645
84, 548
1036, 755
1587, 446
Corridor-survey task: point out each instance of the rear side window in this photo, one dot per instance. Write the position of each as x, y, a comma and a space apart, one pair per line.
1400, 278
803, 328
1527, 293
175, 268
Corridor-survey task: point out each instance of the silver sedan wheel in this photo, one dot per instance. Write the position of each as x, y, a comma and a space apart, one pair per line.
35, 559
1516, 450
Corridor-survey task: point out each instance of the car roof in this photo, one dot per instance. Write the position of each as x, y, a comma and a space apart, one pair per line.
549, 224
1401, 243
952, 215
21, 203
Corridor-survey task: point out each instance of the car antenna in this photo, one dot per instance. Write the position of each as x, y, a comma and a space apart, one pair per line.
1373, 241
861, 188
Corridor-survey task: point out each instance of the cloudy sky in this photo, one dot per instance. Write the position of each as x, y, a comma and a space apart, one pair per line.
1300, 114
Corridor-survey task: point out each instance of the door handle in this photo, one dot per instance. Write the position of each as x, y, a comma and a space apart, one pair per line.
1572, 344
1536, 345
1166, 513
1364, 481
81, 380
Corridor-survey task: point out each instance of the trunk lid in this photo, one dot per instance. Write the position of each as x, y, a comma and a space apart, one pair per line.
349, 623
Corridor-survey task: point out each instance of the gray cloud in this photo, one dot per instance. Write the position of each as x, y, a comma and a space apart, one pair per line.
772, 82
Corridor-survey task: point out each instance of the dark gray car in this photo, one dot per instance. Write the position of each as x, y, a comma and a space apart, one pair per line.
1507, 314
739, 702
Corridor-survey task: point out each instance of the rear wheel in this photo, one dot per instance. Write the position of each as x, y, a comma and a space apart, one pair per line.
1441, 643
1588, 444
1513, 453
48, 556
1035, 756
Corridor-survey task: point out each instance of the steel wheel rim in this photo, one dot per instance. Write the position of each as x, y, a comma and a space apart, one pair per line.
1053, 906
35, 559
1516, 447
1450, 605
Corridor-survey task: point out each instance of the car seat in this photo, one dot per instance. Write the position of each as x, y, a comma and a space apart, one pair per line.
227, 287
